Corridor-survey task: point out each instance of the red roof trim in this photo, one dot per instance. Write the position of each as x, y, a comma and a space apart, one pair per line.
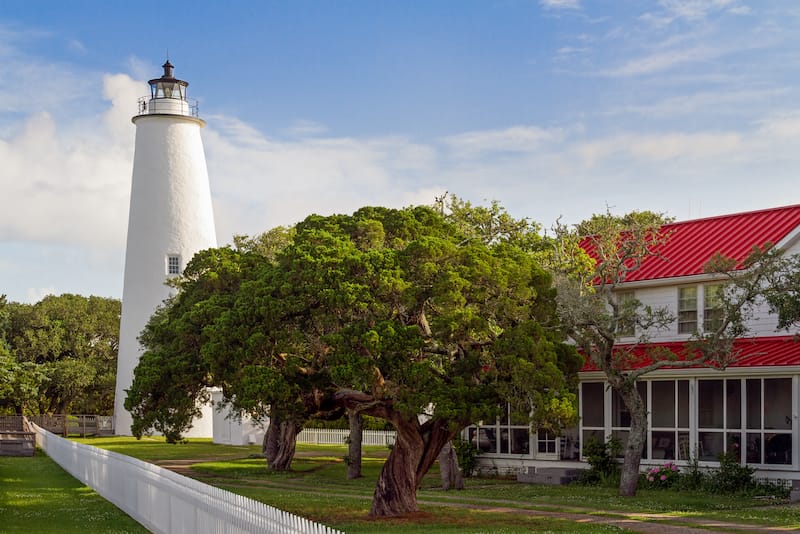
774, 351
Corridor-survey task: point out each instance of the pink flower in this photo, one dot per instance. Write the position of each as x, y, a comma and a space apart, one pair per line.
663, 478
650, 479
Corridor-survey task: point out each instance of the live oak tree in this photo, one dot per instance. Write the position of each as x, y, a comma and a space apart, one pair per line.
60, 355
595, 314
397, 314
400, 315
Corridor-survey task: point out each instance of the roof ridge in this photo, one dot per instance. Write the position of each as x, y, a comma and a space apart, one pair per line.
737, 214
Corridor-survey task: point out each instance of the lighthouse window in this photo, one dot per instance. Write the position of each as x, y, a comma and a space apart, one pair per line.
173, 264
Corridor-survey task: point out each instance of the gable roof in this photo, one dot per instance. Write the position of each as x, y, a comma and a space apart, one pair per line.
753, 352
692, 243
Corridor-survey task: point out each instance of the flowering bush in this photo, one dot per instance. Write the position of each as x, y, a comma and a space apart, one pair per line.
662, 476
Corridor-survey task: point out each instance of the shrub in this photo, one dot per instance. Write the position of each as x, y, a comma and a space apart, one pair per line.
692, 477
467, 455
602, 460
662, 476
731, 476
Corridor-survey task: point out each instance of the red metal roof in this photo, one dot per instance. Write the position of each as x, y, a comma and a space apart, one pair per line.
753, 352
692, 243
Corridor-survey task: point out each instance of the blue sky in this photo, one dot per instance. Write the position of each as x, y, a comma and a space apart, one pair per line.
555, 108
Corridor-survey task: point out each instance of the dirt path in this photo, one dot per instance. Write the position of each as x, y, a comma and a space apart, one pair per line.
637, 522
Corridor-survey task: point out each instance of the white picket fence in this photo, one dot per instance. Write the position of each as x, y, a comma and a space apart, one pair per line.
167, 502
336, 436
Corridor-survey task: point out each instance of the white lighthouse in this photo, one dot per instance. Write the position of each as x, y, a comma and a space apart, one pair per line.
170, 219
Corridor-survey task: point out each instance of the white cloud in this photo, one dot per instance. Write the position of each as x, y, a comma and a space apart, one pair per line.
740, 10
700, 9
725, 101
560, 4
76, 46
514, 139
35, 294
68, 181
259, 182
785, 126
306, 128
140, 69
664, 60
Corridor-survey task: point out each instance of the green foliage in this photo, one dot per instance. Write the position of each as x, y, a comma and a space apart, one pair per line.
467, 454
693, 477
394, 313
784, 294
59, 355
662, 476
602, 460
172, 375
731, 476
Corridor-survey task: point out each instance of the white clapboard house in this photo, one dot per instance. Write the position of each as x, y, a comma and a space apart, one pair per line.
751, 408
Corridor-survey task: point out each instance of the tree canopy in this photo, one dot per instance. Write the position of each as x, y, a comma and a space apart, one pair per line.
407, 315
59, 355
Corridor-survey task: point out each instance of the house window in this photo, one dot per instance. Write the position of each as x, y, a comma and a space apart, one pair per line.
547, 442
510, 434
626, 323
687, 310
173, 264
712, 307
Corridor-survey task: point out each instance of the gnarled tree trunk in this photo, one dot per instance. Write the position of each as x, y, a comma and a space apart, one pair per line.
415, 449
354, 444
449, 469
280, 442
637, 436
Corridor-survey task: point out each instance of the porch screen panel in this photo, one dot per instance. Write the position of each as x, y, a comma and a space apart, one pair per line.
520, 441
778, 448
778, 416
593, 405
754, 403
753, 448
592, 412
711, 421
733, 404
683, 404
778, 403
669, 434
709, 404
663, 393
768, 406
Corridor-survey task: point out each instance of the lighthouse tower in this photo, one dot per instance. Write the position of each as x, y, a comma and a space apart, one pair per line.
170, 220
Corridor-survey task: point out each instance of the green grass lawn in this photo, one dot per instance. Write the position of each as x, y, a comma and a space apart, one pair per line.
317, 488
37, 496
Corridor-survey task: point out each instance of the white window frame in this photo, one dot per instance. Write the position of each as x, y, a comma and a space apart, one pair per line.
173, 264
625, 328
688, 326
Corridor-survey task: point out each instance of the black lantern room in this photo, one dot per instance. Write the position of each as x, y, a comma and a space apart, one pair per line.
168, 86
